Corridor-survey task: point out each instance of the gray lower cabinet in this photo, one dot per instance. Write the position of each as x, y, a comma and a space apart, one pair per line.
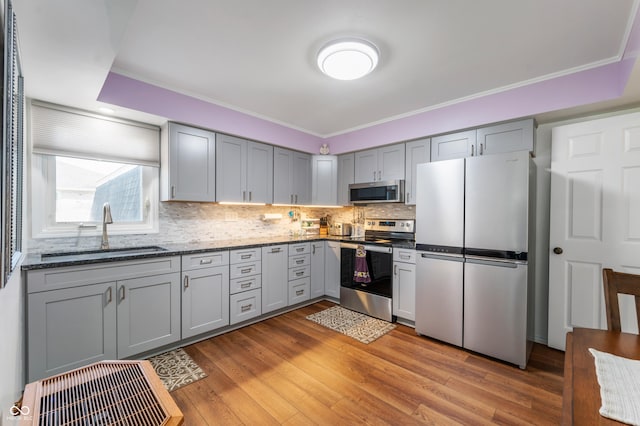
205, 292
245, 275
299, 276
274, 277
317, 269
404, 283
78, 315
332, 269
148, 313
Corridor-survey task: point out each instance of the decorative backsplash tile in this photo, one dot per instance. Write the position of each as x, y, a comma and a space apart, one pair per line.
198, 222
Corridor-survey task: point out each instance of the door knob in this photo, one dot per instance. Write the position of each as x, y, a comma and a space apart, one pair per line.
557, 250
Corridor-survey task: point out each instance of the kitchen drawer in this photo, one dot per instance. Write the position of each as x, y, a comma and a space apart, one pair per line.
245, 305
404, 255
299, 290
245, 269
299, 248
244, 255
297, 261
302, 272
243, 284
205, 260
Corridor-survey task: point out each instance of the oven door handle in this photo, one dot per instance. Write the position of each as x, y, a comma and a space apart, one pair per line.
377, 249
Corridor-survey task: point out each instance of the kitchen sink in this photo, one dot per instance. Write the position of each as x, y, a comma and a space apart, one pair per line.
100, 254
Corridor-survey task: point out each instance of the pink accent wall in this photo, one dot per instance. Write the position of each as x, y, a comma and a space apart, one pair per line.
134, 94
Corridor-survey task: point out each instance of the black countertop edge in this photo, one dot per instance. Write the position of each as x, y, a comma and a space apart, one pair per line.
34, 261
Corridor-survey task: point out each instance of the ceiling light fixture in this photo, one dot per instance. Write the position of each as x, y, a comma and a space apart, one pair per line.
348, 59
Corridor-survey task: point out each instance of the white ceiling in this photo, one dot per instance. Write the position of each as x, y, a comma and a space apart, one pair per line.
258, 56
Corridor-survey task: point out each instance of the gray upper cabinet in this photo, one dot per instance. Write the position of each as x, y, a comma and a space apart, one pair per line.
506, 137
244, 170
380, 164
453, 145
346, 173
417, 152
291, 177
188, 161
324, 180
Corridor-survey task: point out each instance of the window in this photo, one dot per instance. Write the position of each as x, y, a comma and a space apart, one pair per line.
81, 160
69, 194
11, 155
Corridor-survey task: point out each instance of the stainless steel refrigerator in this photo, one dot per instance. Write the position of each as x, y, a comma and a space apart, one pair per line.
472, 235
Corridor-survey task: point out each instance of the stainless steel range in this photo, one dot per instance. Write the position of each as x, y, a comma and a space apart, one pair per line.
366, 266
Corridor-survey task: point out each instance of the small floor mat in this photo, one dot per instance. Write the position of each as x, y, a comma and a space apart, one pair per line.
353, 324
176, 369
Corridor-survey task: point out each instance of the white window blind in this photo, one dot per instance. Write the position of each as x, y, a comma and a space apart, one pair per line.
57, 130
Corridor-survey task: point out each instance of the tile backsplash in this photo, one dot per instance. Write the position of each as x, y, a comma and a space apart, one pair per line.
198, 222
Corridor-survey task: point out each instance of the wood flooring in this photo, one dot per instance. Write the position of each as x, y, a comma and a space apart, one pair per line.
290, 371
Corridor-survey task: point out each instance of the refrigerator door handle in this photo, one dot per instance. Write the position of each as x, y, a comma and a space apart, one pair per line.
492, 261
450, 257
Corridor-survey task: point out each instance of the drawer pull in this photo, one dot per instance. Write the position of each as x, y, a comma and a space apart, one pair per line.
299, 292
404, 256
276, 250
299, 249
245, 284
299, 262
246, 308
206, 261
245, 256
299, 274
245, 271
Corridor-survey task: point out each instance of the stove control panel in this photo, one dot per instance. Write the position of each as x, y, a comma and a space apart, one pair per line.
390, 225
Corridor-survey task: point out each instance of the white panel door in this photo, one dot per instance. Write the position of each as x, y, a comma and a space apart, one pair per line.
259, 173
391, 162
416, 152
595, 220
346, 171
282, 172
231, 168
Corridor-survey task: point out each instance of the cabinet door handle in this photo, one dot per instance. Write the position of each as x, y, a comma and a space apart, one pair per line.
244, 195
291, 198
379, 175
109, 295
395, 270
122, 293
249, 195
481, 149
173, 191
206, 261
472, 150
296, 197
186, 282
374, 175
313, 249
246, 308
299, 292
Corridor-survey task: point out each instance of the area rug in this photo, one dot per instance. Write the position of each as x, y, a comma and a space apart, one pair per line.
353, 324
176, 369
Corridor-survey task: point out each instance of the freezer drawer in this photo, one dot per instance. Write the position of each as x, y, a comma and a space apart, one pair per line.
439, 297
495, 310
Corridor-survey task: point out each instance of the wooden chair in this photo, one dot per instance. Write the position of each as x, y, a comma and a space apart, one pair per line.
619, 283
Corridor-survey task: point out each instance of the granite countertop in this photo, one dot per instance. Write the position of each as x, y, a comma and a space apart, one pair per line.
117, 254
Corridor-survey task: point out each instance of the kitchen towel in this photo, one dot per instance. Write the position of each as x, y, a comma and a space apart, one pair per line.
361, 272
619, 380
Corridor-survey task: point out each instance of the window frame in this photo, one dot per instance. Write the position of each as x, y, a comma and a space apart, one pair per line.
43, 204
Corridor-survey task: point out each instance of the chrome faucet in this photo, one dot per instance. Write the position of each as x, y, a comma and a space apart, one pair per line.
106, 218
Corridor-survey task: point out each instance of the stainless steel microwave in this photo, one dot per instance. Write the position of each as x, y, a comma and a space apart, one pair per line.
389, 191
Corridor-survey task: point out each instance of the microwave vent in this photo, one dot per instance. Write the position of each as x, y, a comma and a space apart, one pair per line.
105, 393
